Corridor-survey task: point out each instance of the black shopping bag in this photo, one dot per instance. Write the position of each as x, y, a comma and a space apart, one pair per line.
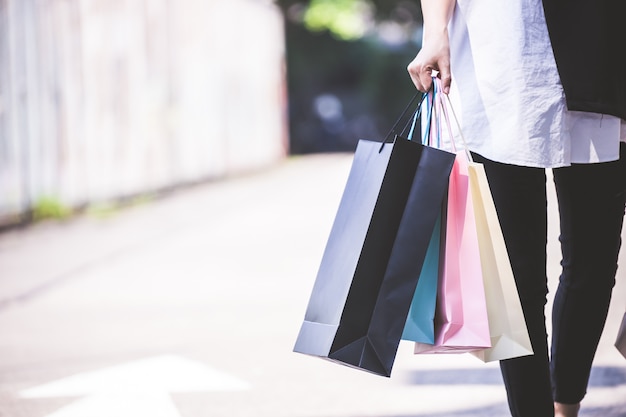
374, 254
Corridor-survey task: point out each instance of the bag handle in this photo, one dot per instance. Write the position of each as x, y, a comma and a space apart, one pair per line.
434, 105
402, 115
430, 97
404, 112
444, 110
458, 126
416, 116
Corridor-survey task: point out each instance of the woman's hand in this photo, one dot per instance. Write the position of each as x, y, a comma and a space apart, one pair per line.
435, 52
432, 59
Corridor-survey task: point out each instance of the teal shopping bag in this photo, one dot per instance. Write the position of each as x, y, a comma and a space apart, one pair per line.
420, 322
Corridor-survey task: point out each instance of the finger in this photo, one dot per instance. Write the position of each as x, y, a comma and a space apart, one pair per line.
446, 78
446, 81
414, 73
426, 80
421, 76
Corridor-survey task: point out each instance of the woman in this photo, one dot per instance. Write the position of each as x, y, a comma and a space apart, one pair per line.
538, 87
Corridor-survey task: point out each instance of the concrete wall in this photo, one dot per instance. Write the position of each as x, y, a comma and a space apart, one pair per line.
102, 99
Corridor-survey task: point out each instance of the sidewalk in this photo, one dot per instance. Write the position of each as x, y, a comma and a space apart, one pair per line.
189, 306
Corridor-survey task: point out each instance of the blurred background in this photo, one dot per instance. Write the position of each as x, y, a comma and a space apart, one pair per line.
169, 174
108, 100
346, 65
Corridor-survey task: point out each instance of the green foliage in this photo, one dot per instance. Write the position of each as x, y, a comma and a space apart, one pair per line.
368, 78
107, 209
350, 55
102, 210
346, 19
49, 207
380, 10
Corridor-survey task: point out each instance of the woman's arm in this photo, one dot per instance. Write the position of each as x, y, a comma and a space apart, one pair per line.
435, 52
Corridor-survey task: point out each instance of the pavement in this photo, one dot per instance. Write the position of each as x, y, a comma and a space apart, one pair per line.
189, 305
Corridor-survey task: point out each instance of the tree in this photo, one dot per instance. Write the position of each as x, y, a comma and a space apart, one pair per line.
346, 66
350, 19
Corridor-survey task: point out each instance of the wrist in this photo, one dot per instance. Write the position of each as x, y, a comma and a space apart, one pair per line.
436, 32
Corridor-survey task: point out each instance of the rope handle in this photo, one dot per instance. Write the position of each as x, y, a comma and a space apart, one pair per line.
404, 112
417, 112
444, 110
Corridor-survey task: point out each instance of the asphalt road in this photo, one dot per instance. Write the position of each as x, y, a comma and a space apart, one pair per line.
189, 305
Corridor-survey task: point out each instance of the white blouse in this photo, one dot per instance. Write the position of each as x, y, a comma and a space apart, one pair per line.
507, 93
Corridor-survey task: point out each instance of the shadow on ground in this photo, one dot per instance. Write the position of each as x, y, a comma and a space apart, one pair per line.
601, 376
502, 410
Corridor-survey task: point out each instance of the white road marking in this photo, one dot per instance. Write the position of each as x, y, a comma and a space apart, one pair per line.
135, 389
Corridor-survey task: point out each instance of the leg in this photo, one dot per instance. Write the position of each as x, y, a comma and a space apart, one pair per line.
519, 194
591, 208
566, 410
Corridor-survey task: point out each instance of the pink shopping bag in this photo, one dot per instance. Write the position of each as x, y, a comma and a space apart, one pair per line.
461, 320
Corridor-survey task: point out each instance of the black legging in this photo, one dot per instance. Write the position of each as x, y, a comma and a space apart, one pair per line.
591, 199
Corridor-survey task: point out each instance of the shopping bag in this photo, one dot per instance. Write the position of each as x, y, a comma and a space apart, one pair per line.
420, 323
507, 326
374, 254
461, 320
620, 342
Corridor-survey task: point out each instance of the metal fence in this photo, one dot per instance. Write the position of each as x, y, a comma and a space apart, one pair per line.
102, 99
